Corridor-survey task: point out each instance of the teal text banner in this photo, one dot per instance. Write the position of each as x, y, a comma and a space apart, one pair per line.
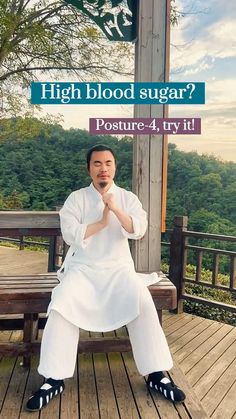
70, 93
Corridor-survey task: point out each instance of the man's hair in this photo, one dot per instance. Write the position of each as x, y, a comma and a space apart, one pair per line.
98, 147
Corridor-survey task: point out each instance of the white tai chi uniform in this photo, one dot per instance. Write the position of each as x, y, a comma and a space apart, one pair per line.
99, 289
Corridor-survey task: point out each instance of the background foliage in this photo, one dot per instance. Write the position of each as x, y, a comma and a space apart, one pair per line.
39, 172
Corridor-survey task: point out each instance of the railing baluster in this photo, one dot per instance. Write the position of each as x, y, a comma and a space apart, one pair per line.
232, 278
215, 268
21, 244
185, 256
199, 265
178, 258
51, 254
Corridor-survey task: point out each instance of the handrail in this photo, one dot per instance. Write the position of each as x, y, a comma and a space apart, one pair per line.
198, 234
179, 248
211, 250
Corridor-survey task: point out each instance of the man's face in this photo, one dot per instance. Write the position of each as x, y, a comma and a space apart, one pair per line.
102, 169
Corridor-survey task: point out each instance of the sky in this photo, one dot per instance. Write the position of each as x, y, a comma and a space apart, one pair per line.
203, 48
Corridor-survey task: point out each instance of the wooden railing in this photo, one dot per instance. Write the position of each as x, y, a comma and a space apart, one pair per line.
21, 242
178, 244
21, 224
179, 251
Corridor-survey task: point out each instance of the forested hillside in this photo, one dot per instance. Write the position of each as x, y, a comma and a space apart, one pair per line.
39, 173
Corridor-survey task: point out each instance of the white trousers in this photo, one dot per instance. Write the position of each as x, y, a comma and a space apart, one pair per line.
60, 341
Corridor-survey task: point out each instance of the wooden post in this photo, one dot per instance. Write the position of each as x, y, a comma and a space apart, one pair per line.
151, 65
52, 254
178, 258
21, 244
232, 272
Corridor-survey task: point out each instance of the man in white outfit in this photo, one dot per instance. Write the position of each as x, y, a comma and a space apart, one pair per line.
99, 289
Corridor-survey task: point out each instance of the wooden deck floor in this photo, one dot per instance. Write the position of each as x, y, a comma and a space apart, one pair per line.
109, 386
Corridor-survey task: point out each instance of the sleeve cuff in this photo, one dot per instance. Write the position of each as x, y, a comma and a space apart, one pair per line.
137, 234
79, 237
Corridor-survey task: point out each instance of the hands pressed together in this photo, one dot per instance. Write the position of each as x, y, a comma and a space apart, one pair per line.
110, 205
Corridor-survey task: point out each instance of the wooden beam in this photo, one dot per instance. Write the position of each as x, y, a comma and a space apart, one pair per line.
151, 65
29, 219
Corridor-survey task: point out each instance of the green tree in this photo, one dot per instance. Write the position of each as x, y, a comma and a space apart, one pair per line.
54, 39
51, 38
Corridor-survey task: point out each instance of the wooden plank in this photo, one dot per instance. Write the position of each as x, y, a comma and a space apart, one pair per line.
87, 388
137, 390
191, 361
182, 412
25, 288
227, 408
150, 405
214, 371
186, 350
13, 400
172, 319
5, 284
46, 275
195, 374
167, 314
192, 403
165, 409
108, 344
15, 324
124, 397
178, 325
29, 219
17, 381
70, 399
35, 305
34, 382
190, 335
36, 232
180, 333
6, 369
35, 277
106, 399
143, 399
19, 348
200, 235
220, 389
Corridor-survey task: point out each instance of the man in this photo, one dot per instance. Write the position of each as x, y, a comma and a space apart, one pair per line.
99, 289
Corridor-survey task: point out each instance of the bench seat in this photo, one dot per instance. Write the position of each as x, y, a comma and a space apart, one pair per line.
30, 295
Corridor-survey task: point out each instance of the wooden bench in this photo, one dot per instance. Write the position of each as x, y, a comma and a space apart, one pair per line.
30, 294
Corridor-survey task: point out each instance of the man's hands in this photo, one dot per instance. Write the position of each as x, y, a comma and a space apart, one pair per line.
124, 219
99, 225
109, 200
105, 216
110, 205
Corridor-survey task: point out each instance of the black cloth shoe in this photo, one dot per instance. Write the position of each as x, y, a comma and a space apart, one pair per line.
47, 391
159, 382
